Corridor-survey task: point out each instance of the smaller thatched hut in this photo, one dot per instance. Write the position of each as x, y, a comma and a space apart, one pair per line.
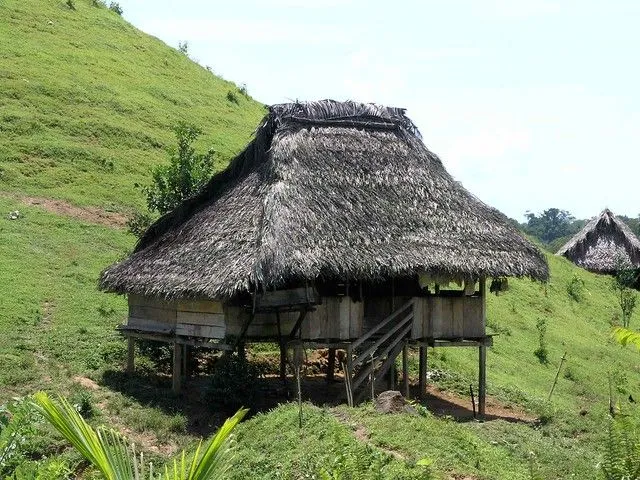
603, 245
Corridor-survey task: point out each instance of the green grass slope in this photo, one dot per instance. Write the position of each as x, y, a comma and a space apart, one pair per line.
86, 106
87, 103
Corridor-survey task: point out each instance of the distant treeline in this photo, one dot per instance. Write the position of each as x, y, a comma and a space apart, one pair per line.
554, 226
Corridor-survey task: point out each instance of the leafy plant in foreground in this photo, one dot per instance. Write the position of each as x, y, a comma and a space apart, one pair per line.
115, 459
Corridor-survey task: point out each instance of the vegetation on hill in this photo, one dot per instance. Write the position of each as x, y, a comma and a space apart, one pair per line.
87, 105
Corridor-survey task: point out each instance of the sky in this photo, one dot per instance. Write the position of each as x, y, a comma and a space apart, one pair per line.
529, 104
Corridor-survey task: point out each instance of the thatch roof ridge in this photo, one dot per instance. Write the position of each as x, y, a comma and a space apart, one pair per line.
326, 189
606, 223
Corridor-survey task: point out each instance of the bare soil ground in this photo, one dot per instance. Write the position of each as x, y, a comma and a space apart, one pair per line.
87, 214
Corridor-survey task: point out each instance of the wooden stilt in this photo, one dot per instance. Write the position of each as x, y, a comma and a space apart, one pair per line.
283, 351
482, 380
331, 364
131, 352
392, 375
177, 367
185, 352
422, 380
405, 370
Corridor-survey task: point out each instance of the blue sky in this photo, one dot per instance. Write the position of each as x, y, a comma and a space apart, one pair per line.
530, 105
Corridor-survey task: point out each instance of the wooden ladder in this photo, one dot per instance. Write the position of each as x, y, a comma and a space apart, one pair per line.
373, 354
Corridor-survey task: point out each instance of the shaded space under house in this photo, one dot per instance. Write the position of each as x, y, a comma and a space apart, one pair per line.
604, 245
335, 228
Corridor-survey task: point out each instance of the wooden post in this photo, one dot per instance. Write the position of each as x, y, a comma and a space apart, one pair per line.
348, 375
131, 352
405, 369
177, 367
482, 380
331, 364
482, 355
392, 375
185, 353
283, 350
422, 381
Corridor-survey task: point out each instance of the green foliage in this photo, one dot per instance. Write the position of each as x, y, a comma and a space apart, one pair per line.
625, 337
185, 175
115, 7
622, 455
232, 97
550, 224
17, 423
575, 288
183, 47
542, 352
71, 4
115, 459
138, 223
622, 284
234, 382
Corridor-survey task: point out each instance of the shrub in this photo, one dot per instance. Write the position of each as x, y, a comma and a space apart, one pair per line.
71, 4
243, 89
138, 223
98, 3
183, 47
185, 175
541, 352
575, 288
232, 97
622, 454
234, 383
115, 7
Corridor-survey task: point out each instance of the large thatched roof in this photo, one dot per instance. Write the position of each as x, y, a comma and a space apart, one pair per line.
603, 245
325, 190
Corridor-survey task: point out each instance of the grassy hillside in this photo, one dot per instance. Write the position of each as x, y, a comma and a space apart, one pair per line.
86, 106
87, 103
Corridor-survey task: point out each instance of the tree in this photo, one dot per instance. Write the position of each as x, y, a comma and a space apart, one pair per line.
622, 284
184, 176
551, 224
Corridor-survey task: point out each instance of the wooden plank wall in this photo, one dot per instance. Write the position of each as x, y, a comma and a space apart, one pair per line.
194, 318
337, 318
448, 318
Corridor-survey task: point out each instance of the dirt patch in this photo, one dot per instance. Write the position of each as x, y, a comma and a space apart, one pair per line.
446, 403
86, 383
88, 214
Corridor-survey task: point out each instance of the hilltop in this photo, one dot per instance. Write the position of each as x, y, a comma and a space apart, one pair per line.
88, 101
86, 106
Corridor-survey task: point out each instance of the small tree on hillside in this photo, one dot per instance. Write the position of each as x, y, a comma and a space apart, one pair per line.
622, 284
184, 176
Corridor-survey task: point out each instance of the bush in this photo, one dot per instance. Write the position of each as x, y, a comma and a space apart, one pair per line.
541, 352
575, 288
232, 97
71, 4
185, 175
183, 47
115, 7
234, 383
138, 223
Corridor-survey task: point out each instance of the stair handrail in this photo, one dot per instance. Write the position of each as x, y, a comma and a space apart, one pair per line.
381, 325
363, 356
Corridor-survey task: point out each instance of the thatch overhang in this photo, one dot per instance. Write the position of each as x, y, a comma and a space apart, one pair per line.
604, 245
328, 190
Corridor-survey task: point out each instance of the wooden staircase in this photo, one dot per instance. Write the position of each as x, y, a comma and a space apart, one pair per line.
371, 357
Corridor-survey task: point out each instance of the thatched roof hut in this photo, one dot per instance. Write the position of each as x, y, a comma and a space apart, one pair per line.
326, 190
603, 245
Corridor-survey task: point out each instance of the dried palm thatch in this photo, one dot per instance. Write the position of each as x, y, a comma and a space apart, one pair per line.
603, 245
325, 190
